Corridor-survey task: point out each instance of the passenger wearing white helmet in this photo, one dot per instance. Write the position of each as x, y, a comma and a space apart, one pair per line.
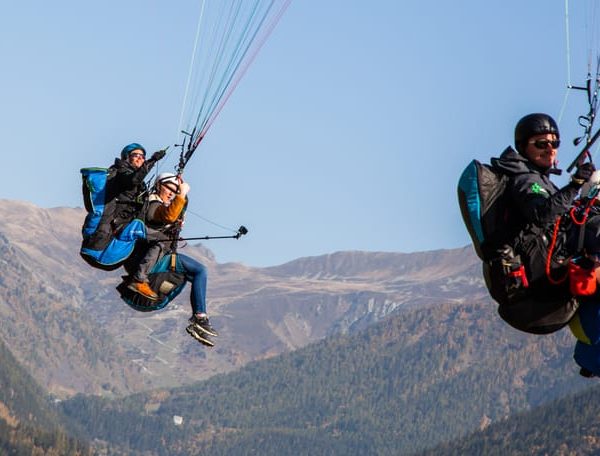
165, 209
165, 205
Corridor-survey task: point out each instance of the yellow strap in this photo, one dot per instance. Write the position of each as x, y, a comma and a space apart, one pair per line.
577, 330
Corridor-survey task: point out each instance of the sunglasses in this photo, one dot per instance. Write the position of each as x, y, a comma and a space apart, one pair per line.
171, 188
137, 155
544, 143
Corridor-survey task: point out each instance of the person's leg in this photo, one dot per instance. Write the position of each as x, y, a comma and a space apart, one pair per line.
585, 326
196, 273
146, 259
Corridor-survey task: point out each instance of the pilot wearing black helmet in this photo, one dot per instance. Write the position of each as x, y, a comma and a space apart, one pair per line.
533, 197
537, 240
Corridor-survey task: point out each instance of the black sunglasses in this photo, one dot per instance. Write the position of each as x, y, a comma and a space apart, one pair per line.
544, 143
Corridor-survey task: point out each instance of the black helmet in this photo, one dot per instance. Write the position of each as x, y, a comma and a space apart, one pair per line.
531, 125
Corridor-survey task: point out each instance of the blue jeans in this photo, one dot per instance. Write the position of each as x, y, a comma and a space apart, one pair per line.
196, 273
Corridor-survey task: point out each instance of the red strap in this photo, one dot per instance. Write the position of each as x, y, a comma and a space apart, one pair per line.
520, 273
551, 251
586, 212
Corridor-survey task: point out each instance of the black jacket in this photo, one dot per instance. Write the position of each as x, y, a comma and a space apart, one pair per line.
532, 197
126, 182
125, 189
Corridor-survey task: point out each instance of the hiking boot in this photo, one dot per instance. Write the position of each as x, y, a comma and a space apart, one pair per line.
143, 288
193, 331
202, 324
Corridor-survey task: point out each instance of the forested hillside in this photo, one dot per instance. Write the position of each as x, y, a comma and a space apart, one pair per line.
569, 426
29, 422
363, 352
413, 381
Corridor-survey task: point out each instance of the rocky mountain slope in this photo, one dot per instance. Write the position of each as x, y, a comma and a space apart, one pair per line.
65, 322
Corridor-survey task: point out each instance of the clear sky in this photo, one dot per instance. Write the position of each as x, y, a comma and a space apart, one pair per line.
348, 132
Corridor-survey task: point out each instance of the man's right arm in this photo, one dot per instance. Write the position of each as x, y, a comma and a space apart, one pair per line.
166, 214
537, 203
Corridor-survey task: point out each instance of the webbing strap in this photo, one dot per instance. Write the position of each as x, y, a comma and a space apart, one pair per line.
581, 237
581, 223
552, 280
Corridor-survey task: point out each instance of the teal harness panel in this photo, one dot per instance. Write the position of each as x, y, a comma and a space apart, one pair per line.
165, 281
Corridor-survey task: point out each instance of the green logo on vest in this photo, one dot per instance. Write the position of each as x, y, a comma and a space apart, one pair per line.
538, 189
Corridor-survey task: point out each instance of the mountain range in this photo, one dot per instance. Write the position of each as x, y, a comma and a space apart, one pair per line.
66, 323
346, 353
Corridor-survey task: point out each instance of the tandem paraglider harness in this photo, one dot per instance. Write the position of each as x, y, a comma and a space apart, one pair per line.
526, 273
111, 228
167, 278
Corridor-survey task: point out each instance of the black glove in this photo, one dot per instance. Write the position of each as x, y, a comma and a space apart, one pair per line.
158, 155
583, 173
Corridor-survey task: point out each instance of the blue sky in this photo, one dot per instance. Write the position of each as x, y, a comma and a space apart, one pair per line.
348, 132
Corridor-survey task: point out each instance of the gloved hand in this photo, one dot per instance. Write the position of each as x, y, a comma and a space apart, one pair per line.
158, 155
184, 189
583, 173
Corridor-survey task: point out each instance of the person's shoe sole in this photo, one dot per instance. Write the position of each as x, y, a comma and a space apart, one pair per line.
191, 331
204, 330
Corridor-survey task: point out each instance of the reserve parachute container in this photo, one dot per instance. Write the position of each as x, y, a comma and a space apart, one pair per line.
483, 207
513, 264
105, 246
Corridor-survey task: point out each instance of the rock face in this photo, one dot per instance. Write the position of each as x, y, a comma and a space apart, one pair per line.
66, 323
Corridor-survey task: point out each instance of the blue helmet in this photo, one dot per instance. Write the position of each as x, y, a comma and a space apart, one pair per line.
130, 148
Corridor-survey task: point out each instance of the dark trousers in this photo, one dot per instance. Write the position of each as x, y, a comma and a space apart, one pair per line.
147, 255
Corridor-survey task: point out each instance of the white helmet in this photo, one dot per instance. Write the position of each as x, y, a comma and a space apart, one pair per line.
167, 178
